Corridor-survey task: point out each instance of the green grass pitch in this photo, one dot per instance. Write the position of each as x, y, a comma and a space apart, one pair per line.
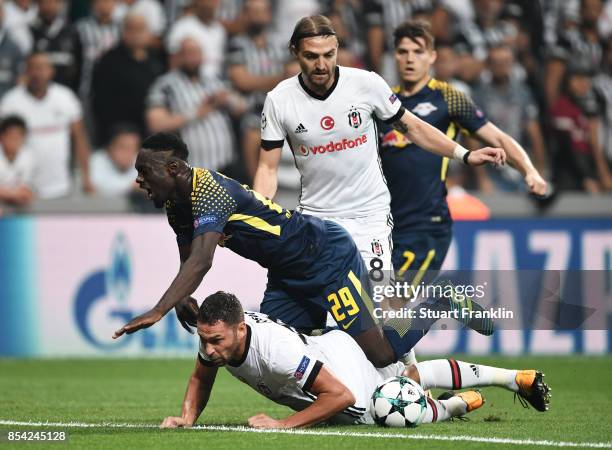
144, 391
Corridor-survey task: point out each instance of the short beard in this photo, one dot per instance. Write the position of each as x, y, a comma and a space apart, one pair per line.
321, 85
312, 79
236, 357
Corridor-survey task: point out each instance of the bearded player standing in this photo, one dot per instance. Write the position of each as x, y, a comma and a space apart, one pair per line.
327, 114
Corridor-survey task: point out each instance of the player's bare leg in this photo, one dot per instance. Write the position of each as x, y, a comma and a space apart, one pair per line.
376, 347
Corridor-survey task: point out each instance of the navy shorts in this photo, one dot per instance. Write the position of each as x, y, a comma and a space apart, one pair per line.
335, 280
418, 255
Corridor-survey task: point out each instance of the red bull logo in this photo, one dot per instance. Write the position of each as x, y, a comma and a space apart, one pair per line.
395, 139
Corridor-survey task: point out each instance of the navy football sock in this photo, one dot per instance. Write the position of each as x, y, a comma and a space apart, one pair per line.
404, 333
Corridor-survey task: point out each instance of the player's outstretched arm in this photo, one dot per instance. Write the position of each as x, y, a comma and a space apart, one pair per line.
196, 397
186, 282
187, 313
517, 156
266, 179
186, 309
332, 398
431, 139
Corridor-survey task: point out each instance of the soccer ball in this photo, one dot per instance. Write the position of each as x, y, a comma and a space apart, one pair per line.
398, 402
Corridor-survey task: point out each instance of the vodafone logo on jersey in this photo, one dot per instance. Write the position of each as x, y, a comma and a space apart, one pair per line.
327, 123
334, 146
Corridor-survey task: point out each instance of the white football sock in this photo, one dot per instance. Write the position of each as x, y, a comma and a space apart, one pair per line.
440, 410
451, 374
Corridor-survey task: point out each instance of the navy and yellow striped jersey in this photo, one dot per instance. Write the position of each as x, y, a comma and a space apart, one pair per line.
416, 177
252, 225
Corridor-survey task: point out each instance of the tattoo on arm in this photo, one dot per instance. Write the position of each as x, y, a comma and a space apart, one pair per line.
400, 126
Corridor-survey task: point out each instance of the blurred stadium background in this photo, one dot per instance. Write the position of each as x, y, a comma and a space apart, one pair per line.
82, 251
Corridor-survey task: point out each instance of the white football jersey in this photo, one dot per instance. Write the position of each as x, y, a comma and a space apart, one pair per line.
282, 364
334, 140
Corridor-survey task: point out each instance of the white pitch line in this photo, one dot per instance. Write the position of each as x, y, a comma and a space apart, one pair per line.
301, 432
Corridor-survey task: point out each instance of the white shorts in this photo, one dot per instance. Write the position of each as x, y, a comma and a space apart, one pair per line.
373, 238
342, 356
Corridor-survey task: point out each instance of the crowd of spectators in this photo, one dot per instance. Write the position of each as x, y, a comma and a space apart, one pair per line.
82, 82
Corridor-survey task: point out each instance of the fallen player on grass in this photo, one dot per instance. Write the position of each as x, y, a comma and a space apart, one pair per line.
324, 378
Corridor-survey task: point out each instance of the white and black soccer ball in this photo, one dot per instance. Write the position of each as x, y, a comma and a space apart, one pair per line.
398, 402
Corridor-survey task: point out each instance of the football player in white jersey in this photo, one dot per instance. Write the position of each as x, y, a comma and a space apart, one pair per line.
327, 115
323, 378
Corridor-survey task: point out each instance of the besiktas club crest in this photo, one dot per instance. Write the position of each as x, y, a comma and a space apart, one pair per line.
377, 247
354, 118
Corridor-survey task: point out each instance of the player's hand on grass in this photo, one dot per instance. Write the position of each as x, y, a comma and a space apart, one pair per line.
175, 422
491, 155
536, 184
264, 421
187, 313
138, 323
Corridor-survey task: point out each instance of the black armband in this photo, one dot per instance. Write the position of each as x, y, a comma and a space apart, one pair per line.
270, 145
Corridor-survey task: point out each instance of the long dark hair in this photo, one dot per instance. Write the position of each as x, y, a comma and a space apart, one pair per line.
310, 26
